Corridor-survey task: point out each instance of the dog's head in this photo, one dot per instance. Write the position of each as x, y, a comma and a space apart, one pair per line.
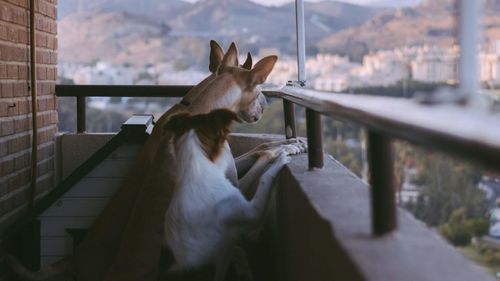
212, 129
251, 102
232, 86
215, 59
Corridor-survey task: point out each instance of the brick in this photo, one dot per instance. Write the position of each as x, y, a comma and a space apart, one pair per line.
21, 89
12, 108
23, 72
20, 163
21, 125
24, 106
18, 144
7, 90
6, 167
3, 32
6, 127
4, 187
3, 148
3, 69
12, 72
12, 34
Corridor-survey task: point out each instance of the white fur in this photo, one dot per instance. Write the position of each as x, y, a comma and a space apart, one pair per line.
192, 223
207, 212
230, 99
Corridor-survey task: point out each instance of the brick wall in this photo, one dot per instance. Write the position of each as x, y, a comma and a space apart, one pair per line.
15, 101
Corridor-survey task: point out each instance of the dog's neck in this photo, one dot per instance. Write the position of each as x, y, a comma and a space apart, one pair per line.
190, 149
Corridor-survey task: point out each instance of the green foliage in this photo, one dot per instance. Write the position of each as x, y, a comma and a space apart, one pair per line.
459, 229
478, 227
492, 256
447, 185
456, 230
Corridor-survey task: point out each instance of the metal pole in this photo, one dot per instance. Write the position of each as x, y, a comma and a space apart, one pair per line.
81, 107
313, 119
34, 109
469, 40
314, 139
381, 165
301, 39
289, 111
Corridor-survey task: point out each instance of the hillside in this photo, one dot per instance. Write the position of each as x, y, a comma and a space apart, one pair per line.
154, 31
431, 22
114, 36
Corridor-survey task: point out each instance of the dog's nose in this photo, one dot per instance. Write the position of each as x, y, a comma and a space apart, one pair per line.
255, 119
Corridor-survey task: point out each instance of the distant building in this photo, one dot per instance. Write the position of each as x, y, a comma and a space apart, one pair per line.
436, 65
409, 190
490, 67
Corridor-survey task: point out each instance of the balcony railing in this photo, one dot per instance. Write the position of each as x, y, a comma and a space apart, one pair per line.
457, 129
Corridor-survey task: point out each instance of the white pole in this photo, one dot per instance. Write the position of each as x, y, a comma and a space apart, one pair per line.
301, 45
469, 40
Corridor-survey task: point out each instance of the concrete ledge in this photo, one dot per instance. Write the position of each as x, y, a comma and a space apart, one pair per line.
325, 227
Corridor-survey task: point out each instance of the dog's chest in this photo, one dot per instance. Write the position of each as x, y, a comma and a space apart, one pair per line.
192, 227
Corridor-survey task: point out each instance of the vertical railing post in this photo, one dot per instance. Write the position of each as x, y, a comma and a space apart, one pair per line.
469, 41
381, 166
289, 111
81, 114
314, 139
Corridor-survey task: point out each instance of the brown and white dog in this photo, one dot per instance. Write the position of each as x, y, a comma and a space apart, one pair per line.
207, 213
107, 252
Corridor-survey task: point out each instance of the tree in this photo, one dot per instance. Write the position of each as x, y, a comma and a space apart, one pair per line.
448, 185
455, 230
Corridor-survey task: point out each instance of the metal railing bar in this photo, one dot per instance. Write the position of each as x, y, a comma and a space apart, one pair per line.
81, 114
314, 139
383, 200
458, 130
122, 91
289, 112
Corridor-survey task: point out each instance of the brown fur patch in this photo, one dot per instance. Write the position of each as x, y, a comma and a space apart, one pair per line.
212, 129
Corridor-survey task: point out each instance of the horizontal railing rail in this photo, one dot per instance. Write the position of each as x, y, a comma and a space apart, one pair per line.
81, 92
456, 129
164, 91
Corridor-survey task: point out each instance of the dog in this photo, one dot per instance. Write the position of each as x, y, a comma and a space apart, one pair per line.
105, 252
207, 213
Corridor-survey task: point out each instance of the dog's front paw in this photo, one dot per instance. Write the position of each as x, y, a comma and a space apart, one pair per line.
296, 147
282, 159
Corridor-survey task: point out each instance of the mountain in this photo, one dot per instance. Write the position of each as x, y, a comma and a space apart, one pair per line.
394, 3
152, 30
431, 22
113, 36
160, 10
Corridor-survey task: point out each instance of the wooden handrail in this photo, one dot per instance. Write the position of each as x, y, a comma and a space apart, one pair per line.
461, 130
174, 91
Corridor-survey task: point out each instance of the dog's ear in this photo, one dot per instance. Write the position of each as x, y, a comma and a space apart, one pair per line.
248, 62
261, 70
216, 56
230, 59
